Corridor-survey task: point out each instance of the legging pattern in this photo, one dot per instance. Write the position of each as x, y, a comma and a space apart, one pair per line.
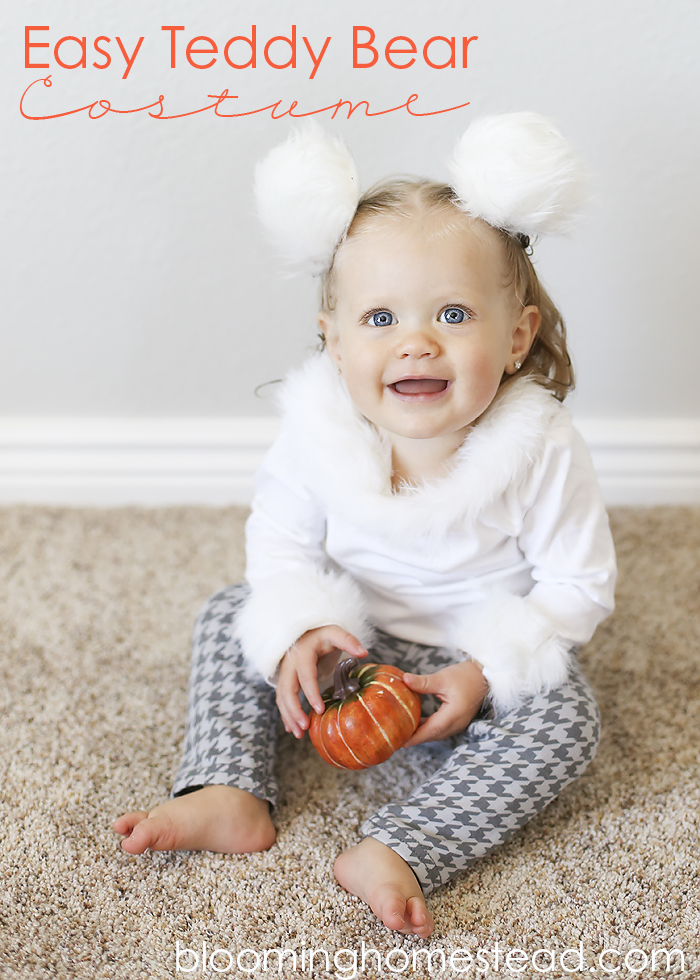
499, 772
231, 727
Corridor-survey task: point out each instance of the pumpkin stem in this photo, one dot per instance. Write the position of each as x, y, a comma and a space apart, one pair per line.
343, 684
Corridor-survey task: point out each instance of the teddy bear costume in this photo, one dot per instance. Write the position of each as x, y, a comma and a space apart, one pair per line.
508, 559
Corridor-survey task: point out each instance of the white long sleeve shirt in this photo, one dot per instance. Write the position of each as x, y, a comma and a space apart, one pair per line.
508, 559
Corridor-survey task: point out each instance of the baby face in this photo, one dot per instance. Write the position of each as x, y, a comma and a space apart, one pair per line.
423, 327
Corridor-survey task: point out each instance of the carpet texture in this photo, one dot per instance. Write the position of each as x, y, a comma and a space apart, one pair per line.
96, 609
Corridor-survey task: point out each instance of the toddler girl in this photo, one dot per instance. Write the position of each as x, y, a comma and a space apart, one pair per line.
427, 500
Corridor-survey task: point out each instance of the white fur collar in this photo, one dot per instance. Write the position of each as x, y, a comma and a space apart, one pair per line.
347, 463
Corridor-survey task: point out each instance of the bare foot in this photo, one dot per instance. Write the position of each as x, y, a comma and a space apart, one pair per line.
214, 818
381, 877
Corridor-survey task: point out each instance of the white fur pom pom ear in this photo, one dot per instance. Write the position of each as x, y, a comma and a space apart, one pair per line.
517, 172
307, 190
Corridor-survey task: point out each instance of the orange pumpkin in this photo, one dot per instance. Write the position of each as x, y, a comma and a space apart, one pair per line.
370, 713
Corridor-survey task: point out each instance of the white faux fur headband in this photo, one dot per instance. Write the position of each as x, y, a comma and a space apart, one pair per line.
515, 171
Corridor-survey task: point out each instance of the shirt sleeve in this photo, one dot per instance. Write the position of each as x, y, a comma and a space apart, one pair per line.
523, 642
294, 587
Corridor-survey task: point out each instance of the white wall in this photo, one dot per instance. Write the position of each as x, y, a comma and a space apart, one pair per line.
136, 283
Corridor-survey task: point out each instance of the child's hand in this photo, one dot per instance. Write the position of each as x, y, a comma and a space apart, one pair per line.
461, 688
298, 671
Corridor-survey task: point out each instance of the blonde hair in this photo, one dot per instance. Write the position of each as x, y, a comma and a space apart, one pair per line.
547, 362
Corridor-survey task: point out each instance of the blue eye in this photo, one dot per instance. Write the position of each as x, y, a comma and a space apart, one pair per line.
453, 314
382, 318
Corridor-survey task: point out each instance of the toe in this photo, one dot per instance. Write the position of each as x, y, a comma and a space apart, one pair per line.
126, 823
155, 832
391, 908
138, 840
418, 920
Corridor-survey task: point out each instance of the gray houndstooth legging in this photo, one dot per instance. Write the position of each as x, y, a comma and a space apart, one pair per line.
500, 772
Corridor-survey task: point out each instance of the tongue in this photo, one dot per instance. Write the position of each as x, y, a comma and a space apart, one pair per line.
420, 386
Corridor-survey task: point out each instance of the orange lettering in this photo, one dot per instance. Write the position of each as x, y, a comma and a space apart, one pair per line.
367, 44
466, 41
33, 44
448, 64
83, 47
292, 63
172, 42
190, 50
391, 50
125, 54
248, 40
99, 50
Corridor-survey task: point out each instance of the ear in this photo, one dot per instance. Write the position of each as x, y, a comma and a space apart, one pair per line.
524, 333
327, 327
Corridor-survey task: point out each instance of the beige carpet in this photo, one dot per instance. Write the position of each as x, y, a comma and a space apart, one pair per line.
95, 614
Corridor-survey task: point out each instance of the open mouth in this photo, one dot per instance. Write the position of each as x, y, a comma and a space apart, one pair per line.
419, 386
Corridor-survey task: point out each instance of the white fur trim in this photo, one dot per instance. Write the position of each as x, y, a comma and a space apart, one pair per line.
517, 172
518, 648
283, 607
349, 464
307, 190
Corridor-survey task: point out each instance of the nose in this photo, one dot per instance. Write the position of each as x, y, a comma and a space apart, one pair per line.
417, 343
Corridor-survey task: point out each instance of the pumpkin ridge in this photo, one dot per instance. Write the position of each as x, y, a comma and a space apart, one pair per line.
342, 738
384, 734
397, 697
370, 669
329, 757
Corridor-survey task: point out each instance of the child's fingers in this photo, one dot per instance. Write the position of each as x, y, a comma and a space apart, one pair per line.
294, 719
440, 725
340, 639
308, 680
424, 683
424, 733
293, 716
287, 696
298, 671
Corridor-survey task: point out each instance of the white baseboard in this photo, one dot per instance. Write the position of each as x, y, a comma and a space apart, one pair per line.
114, 462
644, 462
210, 461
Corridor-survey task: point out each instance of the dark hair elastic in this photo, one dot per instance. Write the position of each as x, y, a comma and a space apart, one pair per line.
524, 240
